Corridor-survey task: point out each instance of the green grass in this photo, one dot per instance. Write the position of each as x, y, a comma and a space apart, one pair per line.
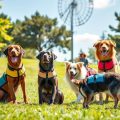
66, 111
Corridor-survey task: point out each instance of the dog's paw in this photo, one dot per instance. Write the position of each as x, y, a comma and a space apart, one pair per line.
13, 102
100, 102
26, 102
51, 102
85, 106
106, 101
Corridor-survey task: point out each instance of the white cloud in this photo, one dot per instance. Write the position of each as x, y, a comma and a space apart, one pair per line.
84, 42
81, 41
86, 36
103, 3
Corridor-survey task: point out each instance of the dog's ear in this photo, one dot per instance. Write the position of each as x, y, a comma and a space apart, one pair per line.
22, 51
39, 55
112, 43
6, 51
54, 56
96, 44
67, 64
79, 65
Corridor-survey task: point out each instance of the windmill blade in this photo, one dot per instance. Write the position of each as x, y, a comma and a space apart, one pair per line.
66, 10
81, 8
67, 16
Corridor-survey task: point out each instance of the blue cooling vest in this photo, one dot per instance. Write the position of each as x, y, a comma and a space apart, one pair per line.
95, 78
3, 80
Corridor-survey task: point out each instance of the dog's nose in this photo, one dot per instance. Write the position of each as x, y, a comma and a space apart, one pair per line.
104, 46
13, 52
71, 72
45, 56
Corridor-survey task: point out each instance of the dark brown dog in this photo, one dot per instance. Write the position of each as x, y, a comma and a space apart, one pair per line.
47, 80
15, 74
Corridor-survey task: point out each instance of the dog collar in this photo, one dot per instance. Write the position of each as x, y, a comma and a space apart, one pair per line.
12, 72
47, 74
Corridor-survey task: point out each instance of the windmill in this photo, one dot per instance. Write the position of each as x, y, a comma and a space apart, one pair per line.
75, 13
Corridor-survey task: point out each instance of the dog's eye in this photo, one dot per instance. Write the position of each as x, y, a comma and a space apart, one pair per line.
10, 48
101, 45
107, 44
17, 48
75, 68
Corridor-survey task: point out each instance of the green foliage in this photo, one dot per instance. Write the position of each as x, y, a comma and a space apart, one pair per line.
30, 53
4, 26
116, 38
117, 29
40, 32
66, 111
91, 53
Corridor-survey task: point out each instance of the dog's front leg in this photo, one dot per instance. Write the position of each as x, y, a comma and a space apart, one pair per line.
11, 89
54, 91
100, 98
40, 94
24, 90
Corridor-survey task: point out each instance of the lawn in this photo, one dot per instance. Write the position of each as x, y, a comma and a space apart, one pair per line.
66, 111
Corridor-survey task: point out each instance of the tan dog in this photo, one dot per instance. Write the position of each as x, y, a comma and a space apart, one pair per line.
75, 71
14, 76
106, 55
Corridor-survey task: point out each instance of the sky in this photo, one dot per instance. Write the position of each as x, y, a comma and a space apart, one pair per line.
84, 36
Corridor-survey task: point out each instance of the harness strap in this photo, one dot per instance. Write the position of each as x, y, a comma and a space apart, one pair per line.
18, 79
46, 80
47, 74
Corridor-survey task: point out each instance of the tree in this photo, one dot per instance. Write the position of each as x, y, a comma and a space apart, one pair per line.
91, 53
40, 32
5, 25
116, 37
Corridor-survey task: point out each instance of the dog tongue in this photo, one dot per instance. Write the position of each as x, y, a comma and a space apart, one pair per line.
104, 53
71, 77
14, 59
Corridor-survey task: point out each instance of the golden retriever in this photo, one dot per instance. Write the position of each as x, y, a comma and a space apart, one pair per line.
106, 56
